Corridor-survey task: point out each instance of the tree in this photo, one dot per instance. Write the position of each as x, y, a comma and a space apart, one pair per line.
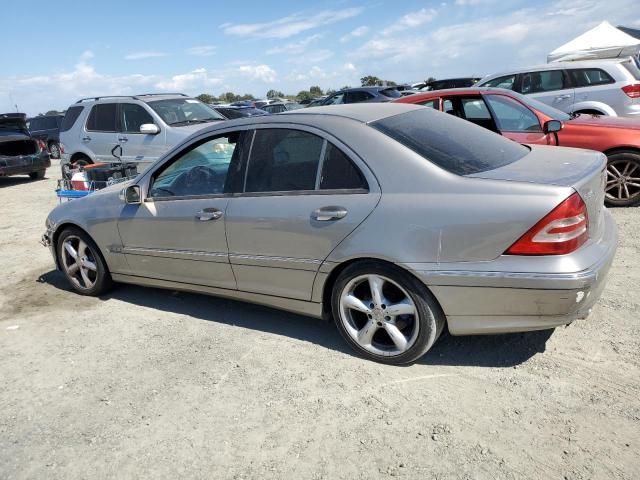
345, 87
330, 91
316, 91
206, 98
430, 79
274, 94
304, 95
370, 81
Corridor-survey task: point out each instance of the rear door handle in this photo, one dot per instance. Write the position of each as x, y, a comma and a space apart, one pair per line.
207, 214
326, 214
86, 138
563, 97
123, 139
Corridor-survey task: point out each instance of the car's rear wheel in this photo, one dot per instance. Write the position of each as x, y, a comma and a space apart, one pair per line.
39, 175
623, 179
82, 263
80, 161
384, 313
54, 150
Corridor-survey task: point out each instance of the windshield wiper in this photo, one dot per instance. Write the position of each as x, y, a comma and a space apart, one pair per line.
188, 122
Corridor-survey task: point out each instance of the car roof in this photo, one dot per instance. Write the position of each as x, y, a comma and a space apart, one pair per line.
455, 92
558, 65
143, 97
366, 89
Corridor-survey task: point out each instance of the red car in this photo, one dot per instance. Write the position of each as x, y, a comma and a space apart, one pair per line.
526, 120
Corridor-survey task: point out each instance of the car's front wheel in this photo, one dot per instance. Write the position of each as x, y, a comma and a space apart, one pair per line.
623, 179
385, 313
82, 263
39, 175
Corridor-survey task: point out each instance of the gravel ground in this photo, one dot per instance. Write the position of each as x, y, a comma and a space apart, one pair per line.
159, 384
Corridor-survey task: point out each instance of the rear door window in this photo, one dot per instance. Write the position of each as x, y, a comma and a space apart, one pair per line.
358, 96
454, 145
102, 118
547, 81
283, 160
70, 117
339, 172
588, 77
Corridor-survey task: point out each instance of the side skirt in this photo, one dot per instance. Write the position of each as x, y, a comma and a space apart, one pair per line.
301, 307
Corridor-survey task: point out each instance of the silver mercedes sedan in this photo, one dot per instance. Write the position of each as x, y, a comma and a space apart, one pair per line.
395, 220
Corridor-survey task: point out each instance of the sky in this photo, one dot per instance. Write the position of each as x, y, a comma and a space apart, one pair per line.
57, 52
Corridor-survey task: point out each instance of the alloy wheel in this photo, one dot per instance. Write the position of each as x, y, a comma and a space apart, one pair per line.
379, 315
623, 180
79, 262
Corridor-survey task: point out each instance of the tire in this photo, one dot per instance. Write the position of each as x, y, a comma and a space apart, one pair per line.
623, 179
39, 175
371, 330
89, 276
79, 162
54, 150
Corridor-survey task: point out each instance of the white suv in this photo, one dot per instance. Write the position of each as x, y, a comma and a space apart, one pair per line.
603, 87
138, 128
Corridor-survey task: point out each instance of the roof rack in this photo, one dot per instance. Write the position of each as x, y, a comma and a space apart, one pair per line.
135, 97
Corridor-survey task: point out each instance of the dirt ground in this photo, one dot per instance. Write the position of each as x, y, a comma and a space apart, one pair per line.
147, 383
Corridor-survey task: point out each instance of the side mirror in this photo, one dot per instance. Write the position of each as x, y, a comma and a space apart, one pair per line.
131, 195
149, 129
552, 126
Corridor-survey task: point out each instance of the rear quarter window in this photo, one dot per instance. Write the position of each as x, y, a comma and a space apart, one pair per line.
454, 145
70, 118
588, 77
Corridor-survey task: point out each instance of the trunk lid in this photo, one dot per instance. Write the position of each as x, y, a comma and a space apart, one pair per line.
12, 123
582, 170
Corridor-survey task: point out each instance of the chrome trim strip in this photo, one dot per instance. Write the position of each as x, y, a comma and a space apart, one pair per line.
274, 259
159, 252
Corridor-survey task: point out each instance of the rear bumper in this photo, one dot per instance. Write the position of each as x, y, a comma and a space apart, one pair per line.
485, 302
24, 164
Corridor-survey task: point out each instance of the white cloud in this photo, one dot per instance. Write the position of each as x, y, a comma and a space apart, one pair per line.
295, 48
263, 73
411, 20
198, 78
290, 25
201, 51
355, 33
143, 55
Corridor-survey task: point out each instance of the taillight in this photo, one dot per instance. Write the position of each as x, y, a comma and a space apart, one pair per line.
633, 90
41, 145
561, 231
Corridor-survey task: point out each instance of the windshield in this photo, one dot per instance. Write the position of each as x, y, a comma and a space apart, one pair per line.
8, 126
453, 144
184, 111
549, 111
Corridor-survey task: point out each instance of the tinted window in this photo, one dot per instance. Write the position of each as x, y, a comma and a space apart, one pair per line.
70, 118
512, 116
50, 123
132, 116
35, 124
338, 172
283, 160
587, 77
550, 80
360, 96
102, 118
455, 145
200, 171
501, 82
391, 93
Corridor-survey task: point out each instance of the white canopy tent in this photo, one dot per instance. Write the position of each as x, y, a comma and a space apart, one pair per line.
602, 41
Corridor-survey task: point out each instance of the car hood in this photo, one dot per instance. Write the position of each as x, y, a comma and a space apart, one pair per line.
605, 121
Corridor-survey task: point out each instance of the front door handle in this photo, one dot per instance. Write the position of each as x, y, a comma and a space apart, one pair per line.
325, 214
123, 139
563, 97
86, 138
207, 214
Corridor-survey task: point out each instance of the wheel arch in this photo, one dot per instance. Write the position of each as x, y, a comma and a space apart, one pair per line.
333, 275
622, 149
596, 106
78, 155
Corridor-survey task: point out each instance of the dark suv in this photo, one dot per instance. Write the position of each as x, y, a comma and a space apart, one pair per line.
47, 129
